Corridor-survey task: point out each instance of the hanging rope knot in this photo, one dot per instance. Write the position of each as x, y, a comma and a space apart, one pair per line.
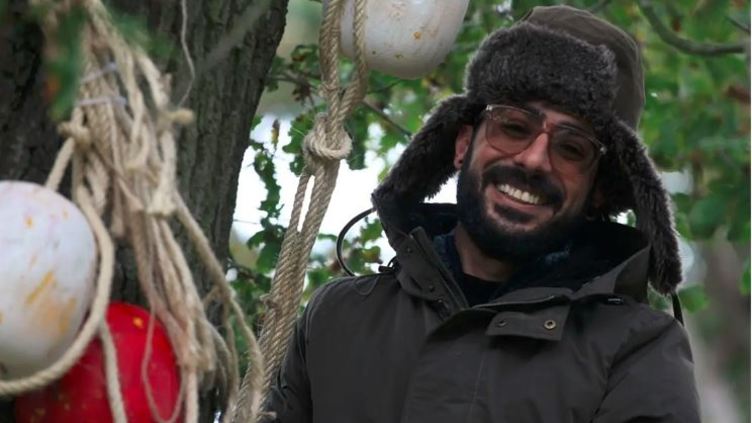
80, 134
329, 90
320, 145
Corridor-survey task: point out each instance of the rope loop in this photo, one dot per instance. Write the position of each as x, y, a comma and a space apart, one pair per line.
79, 133
323, 148
320, 145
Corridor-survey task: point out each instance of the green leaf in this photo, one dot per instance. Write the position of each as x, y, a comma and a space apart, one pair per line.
372, 254
744, 285
357, 127
327, 237
256, 239
682, 224
319, 276
65, 67
267, 257
656, 300
371, 231
298, 130
255, 122
706, 215
693, 298
134, 30
739, 231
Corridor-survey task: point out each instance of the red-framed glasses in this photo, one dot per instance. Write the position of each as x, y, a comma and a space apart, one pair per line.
511, 130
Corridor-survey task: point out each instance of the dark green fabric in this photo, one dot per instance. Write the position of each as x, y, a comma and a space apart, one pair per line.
403, 347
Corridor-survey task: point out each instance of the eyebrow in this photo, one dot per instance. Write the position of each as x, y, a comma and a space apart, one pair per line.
572, 125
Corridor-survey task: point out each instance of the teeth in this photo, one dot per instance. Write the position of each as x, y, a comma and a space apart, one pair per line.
518, 194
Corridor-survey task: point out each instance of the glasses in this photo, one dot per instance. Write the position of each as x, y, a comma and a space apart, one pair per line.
511, 130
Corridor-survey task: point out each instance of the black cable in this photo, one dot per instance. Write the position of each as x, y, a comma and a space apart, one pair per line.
341, 238
677, 308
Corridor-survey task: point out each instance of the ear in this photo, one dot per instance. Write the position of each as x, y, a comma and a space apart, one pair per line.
462, 145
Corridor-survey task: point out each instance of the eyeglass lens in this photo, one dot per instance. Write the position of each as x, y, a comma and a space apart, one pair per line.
511, 131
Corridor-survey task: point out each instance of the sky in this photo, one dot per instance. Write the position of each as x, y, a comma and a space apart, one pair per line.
351, 196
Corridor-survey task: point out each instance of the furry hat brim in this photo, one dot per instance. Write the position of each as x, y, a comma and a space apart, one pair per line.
525, 56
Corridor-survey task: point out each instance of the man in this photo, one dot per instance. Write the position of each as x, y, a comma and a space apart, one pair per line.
525, 302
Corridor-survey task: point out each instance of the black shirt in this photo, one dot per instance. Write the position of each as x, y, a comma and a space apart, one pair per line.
476, 290
570, 267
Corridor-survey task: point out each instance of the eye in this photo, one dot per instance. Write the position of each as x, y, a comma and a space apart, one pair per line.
573, 148
515, 128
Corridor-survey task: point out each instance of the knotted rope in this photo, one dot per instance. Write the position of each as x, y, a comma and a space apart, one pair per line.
323, 149
120, 144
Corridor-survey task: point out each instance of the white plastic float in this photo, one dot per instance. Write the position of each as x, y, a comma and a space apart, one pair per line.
405, 38
47, 269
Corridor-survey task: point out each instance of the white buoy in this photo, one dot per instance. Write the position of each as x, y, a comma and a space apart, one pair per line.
47, 269
405, 38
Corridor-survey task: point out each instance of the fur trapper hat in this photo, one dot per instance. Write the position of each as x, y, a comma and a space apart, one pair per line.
576, 61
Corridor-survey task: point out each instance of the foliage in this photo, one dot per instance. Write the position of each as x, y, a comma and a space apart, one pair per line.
63, 60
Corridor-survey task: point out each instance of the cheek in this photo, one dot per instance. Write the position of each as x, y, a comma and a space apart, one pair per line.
577, 190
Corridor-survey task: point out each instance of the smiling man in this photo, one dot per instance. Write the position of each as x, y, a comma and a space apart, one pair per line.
525, 302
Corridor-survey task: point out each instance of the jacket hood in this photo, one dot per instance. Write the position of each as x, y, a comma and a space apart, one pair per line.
546, 57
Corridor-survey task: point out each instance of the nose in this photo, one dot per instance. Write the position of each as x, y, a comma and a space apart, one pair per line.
535, 156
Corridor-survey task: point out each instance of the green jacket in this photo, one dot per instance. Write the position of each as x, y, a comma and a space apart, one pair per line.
403, 346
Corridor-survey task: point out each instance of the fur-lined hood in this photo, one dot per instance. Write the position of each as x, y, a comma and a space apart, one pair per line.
578, 62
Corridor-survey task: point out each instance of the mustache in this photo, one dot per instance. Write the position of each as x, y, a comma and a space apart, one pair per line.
533, 182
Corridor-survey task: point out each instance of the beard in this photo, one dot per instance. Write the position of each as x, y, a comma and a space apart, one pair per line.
504, 243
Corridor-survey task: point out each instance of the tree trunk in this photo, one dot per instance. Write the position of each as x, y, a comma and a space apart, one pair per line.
224, 100
725, 323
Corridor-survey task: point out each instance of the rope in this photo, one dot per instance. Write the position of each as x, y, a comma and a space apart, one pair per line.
114, 393
120, 146
324, 147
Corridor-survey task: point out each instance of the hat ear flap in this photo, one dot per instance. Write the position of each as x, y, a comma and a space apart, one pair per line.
427, 162
652, 209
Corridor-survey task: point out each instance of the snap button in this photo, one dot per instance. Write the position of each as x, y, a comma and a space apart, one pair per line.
501, 323
615, 301
549, 324
431, 288
408, 250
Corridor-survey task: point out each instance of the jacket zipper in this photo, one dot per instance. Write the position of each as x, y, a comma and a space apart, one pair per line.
456, 298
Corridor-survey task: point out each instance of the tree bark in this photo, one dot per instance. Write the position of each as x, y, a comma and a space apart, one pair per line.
224, 100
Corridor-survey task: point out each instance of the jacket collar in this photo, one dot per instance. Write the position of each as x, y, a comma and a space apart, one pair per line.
422, 272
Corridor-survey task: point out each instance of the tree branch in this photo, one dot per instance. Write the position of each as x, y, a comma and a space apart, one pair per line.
741, 25
380, 113
684, 45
